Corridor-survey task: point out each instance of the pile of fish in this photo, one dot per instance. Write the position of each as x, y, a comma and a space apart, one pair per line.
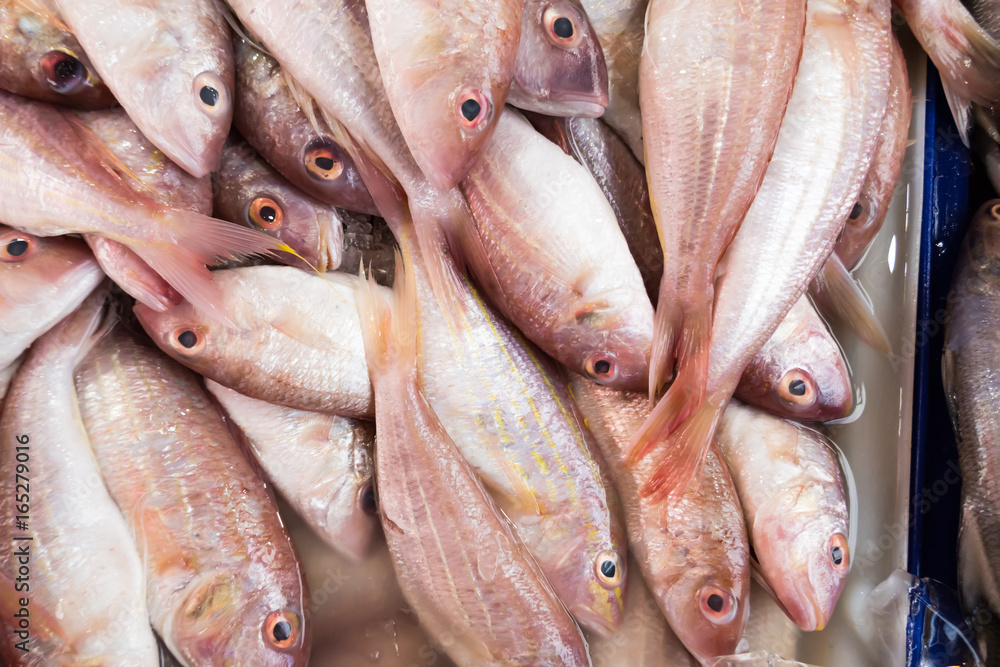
515, 310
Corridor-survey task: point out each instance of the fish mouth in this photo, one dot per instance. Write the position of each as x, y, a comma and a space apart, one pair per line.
586, 106
807, 613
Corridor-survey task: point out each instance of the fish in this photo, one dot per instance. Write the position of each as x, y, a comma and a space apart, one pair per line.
148, 171
88, 590
645, 639
41, 59
769, 628
320, 462
460, 565
971, 383
507, 408
297, 342
222, 578
447, 68
800, 373
42, 280
621, 29
250, 193
59, 179
267, 114
715, 79
692, 551
824, 149
545, 247
7, 374
369, 241
986, 15
795, 500
169, 64
965, 54
560, 69
622, 179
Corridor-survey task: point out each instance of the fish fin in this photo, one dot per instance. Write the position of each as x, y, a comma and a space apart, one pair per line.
695, 343
132, 274
841, 299
202, 240
153, 537
240, 29
668, 413
682, 454
389, 331
291, 323
961, 111
667, 322
106, 158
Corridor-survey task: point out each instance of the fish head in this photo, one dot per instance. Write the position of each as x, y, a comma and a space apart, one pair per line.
609, 335
306, 225
560, 60
224, 619
983, 242
707, 610
801, 542
807, 380
186, 335
34, 266
352, 512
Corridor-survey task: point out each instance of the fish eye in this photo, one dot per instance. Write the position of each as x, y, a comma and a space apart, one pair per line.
562, 27
16, 247
474, 109
368, 504
995, 211
609, 569
717, 604
862, 211
839, 552
323, 160
797, 388
211, 95
187, 341
63, 72
266, 213
601, 368
281, 629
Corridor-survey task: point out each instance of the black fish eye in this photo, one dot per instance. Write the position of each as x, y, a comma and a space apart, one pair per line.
715, 602
562, 27
608, 569
797, 388
837, 555
63, 72
471, 109
17, 247
324, 163
188, 339
282, 631
856, 211
209, 95
368, 500
602, 366
268, 213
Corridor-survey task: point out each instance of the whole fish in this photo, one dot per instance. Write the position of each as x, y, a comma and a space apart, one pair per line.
268, 116
89, 593
621, 28
250, 193
560, 67
794, 499
692, 550
170, 65
972, 382
58, 179
146, 170
966, 55
546, 249
508, 410
321, 463
800, 373
222, 579
42, 280
447, 67
297, 341
460, 566
40, 58
715, 79
645, 639
822, 156
622, 179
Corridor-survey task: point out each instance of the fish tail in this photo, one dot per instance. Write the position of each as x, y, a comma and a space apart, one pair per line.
961, 111
389, 330
694, 345
682, 455
670, 412
840, 298
666, 323
198, 240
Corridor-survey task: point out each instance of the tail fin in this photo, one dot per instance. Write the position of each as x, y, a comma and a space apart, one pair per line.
840, 298
680, 401
389, 331
682, 455
667, 322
